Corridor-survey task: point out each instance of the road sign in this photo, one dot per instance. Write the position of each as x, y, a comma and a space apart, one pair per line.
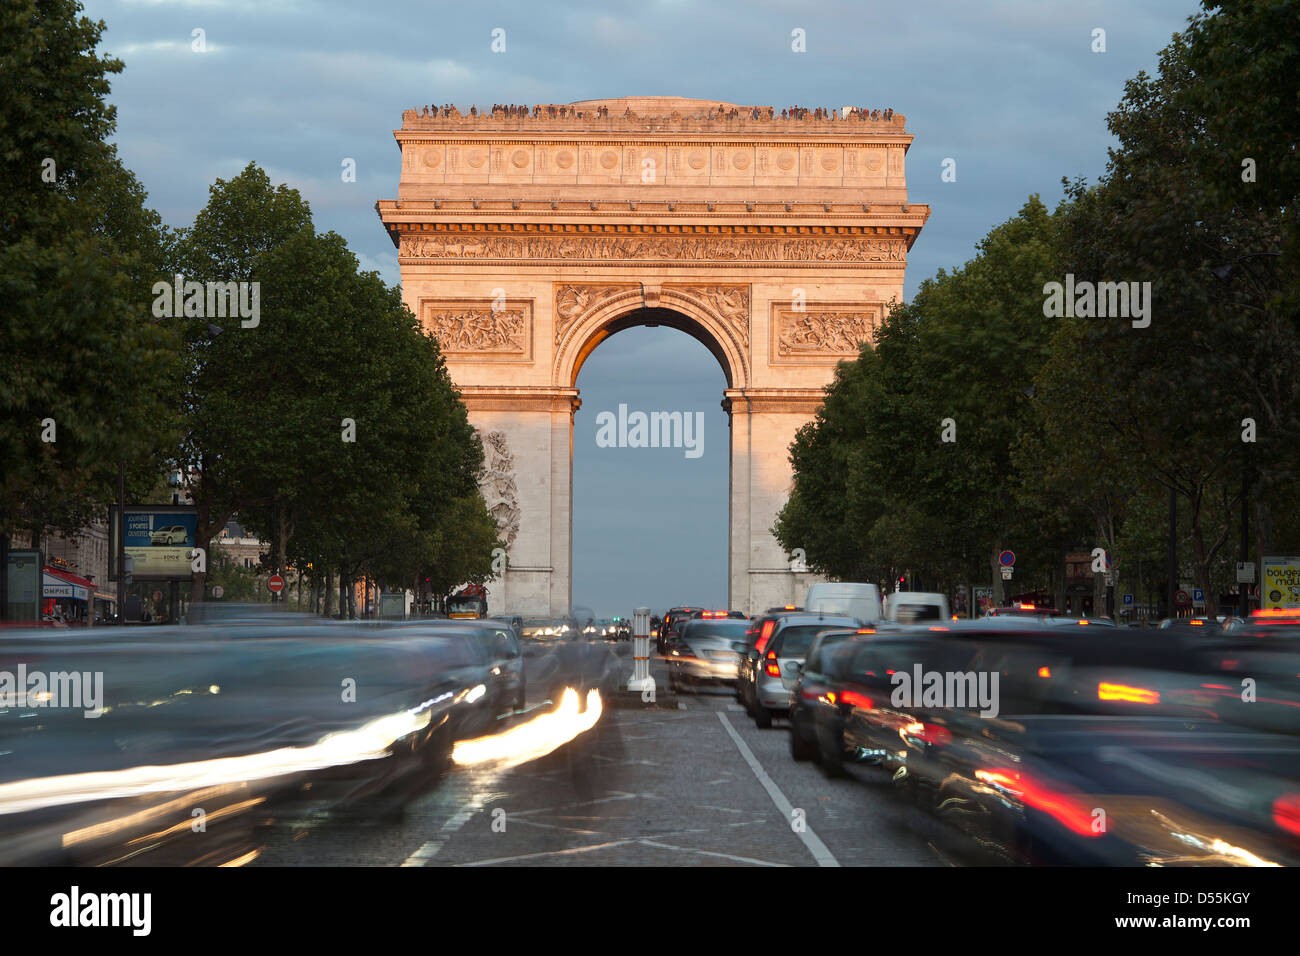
1007, 559
1182, 599
1245, 572
1128, 600
218, 591
1198, 597
275, 584
1006, 573
1112, 578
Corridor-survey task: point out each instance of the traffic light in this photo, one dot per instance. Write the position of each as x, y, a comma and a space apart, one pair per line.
902, 582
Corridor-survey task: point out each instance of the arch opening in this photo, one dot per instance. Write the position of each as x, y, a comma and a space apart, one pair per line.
650, 523
650, 318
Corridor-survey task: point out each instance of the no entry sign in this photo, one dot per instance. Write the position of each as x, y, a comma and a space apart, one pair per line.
275, 584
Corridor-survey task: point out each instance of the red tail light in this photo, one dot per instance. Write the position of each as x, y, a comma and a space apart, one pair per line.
866, 630
1194, 622
1044, 672
1131, 695
772, 668
764, 635
1286, 813
930, 733
1063, 807
1025, 607
854, 699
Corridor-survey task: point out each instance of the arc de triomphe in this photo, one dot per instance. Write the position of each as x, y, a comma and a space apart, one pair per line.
525, 237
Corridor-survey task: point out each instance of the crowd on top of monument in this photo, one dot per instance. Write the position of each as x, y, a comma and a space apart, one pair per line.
449, 111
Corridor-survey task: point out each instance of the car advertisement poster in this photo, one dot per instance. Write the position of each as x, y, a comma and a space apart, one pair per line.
161, 540
1279, 583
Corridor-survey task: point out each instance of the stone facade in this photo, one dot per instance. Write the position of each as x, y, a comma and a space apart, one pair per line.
525, 240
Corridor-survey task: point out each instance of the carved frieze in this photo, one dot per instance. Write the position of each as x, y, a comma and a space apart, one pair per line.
827, 250
487, 329
821, 332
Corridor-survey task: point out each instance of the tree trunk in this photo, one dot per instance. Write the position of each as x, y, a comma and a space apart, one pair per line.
329, 591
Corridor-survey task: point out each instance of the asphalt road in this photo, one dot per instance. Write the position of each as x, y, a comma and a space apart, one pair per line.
689, 781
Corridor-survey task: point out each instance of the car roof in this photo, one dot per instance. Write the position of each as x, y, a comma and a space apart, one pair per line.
792, 619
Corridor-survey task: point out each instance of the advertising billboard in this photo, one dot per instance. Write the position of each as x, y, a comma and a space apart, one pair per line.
160, 538
1279, 583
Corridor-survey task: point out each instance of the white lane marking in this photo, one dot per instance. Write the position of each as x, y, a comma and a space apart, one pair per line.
429, 850
533, 856
617, 795
815, 846
725, 856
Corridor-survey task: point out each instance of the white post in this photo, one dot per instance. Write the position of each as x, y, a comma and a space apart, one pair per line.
641, 679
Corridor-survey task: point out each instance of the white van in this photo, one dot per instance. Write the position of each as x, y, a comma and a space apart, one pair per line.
859, 601
915, 607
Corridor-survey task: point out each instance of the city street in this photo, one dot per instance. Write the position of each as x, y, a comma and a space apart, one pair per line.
689, 783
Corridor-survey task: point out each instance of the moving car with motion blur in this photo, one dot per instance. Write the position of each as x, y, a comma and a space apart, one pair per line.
770, 668
1095, 751
862, 602
916, 607
468, 603
547, 629
667, 627
706, 650
1023, 609
816, 712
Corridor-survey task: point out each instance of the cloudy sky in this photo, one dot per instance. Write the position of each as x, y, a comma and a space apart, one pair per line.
1010, 89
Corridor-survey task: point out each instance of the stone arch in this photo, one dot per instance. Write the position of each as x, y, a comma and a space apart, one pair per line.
690, 309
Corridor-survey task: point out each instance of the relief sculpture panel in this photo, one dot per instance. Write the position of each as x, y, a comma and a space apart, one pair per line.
821, 333
485, 329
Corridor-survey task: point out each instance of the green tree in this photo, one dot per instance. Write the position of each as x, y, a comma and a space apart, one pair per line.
77, 246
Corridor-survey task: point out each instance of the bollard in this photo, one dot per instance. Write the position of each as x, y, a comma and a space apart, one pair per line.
641, 680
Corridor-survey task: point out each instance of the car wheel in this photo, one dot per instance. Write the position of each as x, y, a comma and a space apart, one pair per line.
800, 748
831, 755
762, 716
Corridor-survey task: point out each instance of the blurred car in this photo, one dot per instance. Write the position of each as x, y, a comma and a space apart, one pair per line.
667, 628
717, 615
1102, 751
915, 607
546, 629
816, 719
1062, 620
706, 650
1023, 610
246, 722
497, 649
768, 673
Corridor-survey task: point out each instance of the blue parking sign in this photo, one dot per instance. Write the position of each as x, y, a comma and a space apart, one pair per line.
1198, 596
1128, 599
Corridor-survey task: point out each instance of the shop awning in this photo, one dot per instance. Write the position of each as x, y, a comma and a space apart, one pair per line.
65, 584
